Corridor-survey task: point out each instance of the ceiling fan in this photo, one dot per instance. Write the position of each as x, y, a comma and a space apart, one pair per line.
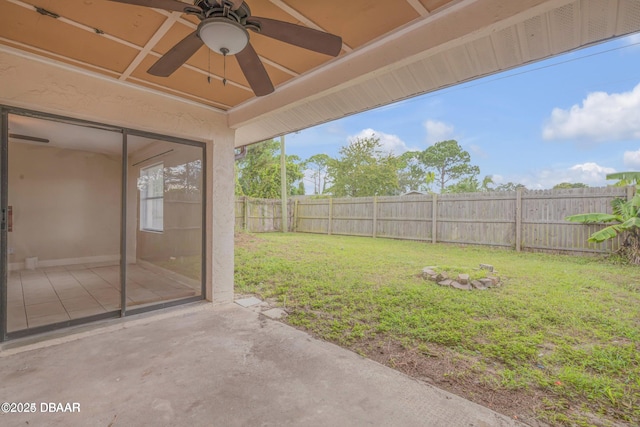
223, 28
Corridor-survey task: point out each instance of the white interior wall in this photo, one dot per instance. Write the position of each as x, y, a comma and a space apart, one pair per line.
66, 205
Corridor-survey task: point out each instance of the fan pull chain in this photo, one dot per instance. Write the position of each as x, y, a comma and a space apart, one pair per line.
209, 70
224, 51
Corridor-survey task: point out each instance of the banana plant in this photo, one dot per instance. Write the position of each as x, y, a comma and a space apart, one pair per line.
625, 218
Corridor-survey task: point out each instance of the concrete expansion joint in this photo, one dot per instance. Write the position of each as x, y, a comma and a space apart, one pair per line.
266, 308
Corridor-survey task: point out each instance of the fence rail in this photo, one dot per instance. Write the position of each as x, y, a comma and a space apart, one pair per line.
531, 220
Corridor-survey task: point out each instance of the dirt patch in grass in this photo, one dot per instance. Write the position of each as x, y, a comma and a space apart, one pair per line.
246, 241
447, 370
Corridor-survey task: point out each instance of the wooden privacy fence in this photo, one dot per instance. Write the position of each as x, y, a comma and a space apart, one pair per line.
262, 215
532, 220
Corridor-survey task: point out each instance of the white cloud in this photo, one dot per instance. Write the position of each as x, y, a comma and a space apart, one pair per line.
498, 179
588, 173
601, 117
632, 159
437, 131
478, 151
388, 142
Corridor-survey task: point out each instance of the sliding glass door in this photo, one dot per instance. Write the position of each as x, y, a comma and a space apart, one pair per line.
97, 222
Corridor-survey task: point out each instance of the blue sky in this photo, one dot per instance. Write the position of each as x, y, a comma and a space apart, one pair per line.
573, 118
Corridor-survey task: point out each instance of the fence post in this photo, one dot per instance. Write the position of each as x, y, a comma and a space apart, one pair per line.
330, 215
518, 219
294, 226
375, 215
434, 216
630, 191
245, 215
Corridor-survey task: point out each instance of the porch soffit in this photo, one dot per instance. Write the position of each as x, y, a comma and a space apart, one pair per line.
391, 50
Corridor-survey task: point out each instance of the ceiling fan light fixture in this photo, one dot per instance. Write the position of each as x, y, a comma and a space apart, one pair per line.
221, 34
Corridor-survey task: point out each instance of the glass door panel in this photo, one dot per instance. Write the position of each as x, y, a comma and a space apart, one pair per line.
64, 197
164, 221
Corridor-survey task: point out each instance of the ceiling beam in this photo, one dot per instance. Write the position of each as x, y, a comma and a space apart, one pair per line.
423, 11
278, 66
164, 28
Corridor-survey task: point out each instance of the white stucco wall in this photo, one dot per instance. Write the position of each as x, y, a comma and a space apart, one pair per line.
43, 85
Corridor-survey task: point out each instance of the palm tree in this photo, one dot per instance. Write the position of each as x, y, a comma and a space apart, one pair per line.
625, 216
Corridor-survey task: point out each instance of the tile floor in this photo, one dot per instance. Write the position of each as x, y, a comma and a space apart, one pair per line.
56, 294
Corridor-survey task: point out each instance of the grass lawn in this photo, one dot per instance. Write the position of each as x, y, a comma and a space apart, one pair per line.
558, 342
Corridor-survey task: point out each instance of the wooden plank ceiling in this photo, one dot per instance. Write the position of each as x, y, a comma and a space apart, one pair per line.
392, 50
122, 41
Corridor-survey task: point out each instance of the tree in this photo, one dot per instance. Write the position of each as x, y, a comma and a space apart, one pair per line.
510, 186
412, 174
259, 171
363, 170
318, 165
487, 183
471, 185
625, 178
625, 219
238, 189
569, 185
449, 162
185, 177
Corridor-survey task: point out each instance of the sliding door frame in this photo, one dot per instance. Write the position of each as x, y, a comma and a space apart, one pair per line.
5, 111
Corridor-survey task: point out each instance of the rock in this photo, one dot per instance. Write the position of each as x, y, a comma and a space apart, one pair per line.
427, 272
494, 279
463, 279
478, 284
445, 282
442, 276
486, 267
457, 285
487, 282
433, 278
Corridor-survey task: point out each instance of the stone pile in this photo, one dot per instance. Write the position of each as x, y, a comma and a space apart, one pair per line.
461, 281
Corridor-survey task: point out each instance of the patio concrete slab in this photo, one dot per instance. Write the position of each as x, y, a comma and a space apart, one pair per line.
217, 365
248, 302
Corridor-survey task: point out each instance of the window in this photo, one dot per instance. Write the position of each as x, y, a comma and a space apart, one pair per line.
151, 186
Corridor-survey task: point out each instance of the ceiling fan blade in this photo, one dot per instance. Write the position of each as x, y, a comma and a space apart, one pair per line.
254, 71
177, 55
178, 6
297, 35
28, 138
